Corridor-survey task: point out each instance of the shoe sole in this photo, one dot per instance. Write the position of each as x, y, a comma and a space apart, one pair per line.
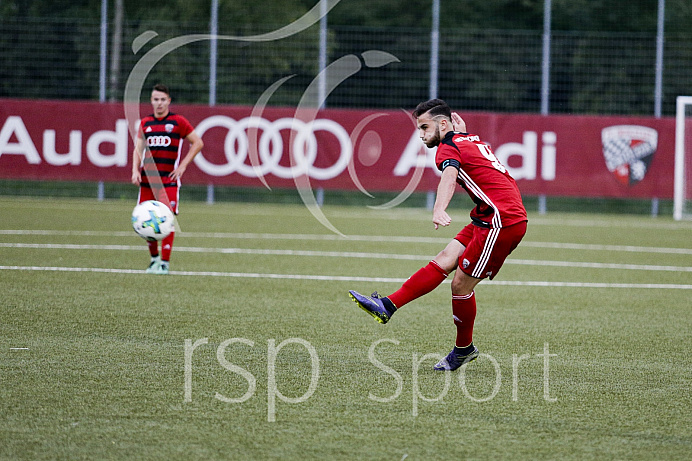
375, 316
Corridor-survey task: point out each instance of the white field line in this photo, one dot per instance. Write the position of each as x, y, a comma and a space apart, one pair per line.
399, 214
342, 254
356, 238
336, 278
408, 214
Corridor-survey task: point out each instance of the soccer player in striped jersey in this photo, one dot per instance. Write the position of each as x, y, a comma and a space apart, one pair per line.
498, 223
157, 167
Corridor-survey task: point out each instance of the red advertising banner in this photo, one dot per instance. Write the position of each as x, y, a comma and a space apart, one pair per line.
367, 150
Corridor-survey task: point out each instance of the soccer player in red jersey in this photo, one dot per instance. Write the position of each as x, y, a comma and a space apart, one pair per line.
498, 223
156, 164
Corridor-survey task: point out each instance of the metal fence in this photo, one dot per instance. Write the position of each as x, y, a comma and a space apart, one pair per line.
490, 70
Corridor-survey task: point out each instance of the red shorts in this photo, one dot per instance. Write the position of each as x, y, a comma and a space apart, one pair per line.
487, 249
172, 195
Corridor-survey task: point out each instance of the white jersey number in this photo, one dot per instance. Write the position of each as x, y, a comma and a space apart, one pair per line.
487, 153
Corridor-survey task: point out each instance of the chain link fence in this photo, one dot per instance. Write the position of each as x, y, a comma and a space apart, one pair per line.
489, 70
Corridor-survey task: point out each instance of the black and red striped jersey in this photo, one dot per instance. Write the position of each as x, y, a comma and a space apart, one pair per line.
485, 179
164, 139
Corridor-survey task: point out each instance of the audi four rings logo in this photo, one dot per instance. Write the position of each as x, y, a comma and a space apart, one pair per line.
270, 147
158, 141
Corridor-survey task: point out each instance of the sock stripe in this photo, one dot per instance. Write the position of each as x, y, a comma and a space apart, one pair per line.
438, 267
461, 297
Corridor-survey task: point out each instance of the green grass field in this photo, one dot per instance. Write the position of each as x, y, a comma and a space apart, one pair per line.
251, 348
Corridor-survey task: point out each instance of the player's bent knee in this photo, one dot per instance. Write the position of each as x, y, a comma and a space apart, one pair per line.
463, 284
446, 263
448, 258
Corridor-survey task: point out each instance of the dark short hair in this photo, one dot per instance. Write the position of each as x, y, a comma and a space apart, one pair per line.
435, 107
162, 88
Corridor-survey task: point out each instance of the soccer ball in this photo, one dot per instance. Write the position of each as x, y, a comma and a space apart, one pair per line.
152, 220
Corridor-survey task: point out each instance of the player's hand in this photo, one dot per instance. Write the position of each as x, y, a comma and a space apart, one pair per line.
177, 173
458, 123
441, 218
136, 178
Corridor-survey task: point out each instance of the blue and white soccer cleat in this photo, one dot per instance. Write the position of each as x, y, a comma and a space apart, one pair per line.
154, 265
162, 269
454, 360
372, 305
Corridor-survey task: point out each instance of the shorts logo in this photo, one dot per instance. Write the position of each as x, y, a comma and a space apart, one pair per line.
465, 263
628, 151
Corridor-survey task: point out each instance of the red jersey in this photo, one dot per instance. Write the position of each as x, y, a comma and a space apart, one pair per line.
164, 139
485, 179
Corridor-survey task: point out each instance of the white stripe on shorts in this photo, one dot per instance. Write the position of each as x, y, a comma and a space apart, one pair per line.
487, 251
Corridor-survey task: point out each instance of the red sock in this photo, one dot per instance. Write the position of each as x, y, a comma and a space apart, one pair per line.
153, 248
423, 281
464, 310
167, 246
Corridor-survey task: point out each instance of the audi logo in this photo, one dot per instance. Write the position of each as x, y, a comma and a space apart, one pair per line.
270, 147
158, 141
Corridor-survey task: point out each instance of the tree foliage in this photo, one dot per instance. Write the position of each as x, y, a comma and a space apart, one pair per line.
479, 40
567, 15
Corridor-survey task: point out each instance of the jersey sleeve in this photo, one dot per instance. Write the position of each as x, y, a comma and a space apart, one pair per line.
447, 156
185, 127
450, 162
140, 131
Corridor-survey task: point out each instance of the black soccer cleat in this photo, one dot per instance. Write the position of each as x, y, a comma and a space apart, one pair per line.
372, 305
454, 360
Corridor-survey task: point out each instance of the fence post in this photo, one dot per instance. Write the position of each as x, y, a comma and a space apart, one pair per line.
434, 48
658, 87
213, 31
542, 204
210, 194
429, 200
654, 207
545, 65
103, 50
319, 197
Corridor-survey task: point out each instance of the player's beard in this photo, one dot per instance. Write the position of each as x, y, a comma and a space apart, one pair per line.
435, 140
